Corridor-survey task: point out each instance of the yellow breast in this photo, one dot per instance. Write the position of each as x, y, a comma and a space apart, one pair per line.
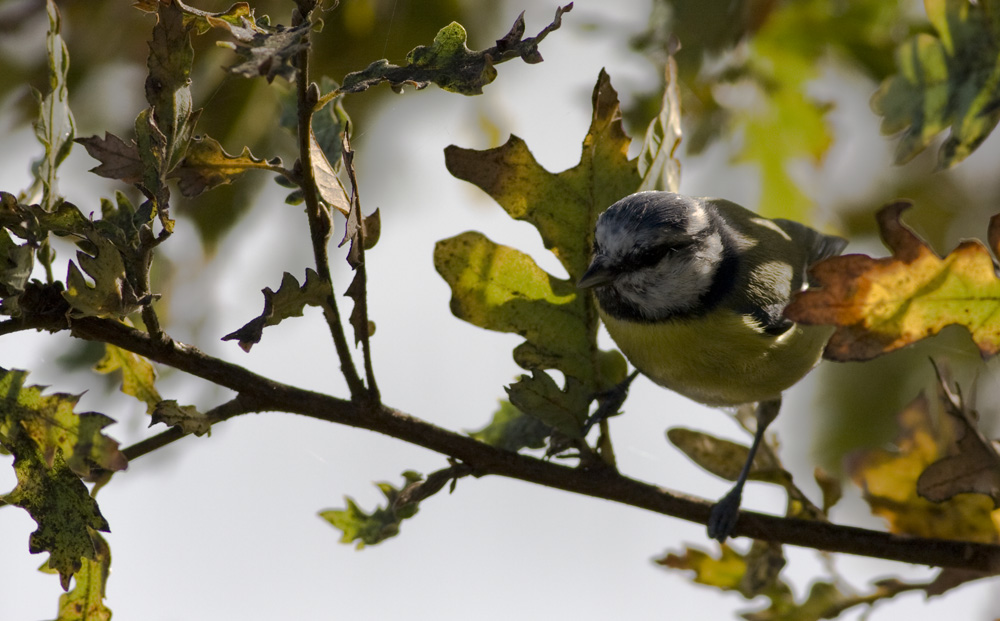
720, 359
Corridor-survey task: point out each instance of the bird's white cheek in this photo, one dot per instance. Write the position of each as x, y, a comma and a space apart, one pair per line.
673, 286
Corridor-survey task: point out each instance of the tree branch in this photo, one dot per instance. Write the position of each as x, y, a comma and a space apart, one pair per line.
263, 394
233, 407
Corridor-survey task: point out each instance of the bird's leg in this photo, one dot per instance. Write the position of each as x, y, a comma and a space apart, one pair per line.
610, 402
726, 512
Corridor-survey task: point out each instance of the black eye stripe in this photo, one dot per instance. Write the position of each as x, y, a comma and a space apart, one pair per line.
647, 257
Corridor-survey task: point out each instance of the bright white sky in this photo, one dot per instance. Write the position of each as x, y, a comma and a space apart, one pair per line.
226, 526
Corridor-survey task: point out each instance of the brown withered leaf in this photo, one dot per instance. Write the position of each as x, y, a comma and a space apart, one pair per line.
119, 159
973, 465
889, 480
880, 305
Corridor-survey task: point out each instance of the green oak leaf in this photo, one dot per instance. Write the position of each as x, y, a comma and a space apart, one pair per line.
563, 206
121, 222
539, 396
187, 418
16, 263
503, 289
58, 501
512, 430
949, 78
86, 601
138, 374
207, 165
287, 301
111, 295
56, 431
450, 64
33, 223
379, 525
500, 288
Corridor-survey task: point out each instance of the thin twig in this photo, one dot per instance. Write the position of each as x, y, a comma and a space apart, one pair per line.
360, 296
223, 412
320, 221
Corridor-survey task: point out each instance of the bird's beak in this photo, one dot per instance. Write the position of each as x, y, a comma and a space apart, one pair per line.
598, 274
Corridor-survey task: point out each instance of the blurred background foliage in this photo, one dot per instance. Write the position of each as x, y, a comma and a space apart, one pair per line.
749, 73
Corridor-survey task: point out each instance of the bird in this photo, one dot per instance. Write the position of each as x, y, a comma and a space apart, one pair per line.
692, 291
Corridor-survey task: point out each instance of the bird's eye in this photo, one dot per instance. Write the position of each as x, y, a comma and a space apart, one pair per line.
647, 257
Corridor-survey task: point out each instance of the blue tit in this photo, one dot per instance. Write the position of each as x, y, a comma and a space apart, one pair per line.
693, 290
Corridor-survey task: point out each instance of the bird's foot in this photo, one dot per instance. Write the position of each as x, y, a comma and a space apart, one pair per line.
725, 513
610, 402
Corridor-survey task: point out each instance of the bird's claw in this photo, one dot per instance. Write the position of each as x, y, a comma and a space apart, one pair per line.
725, 513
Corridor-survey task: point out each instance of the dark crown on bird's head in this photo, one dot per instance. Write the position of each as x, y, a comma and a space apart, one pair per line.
649, 219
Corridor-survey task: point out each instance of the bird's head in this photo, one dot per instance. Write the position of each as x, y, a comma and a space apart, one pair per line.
655, 255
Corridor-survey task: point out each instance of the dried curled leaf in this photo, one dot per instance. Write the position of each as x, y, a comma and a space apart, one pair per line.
331, 189
450, 64
659, 168
270, 52
880, 305
238, 19
972, 465
288, 301
54, 126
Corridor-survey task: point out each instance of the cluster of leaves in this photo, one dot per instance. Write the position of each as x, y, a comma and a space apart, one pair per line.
948, 78
945, 78
56, 449
768, 52
503, 289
